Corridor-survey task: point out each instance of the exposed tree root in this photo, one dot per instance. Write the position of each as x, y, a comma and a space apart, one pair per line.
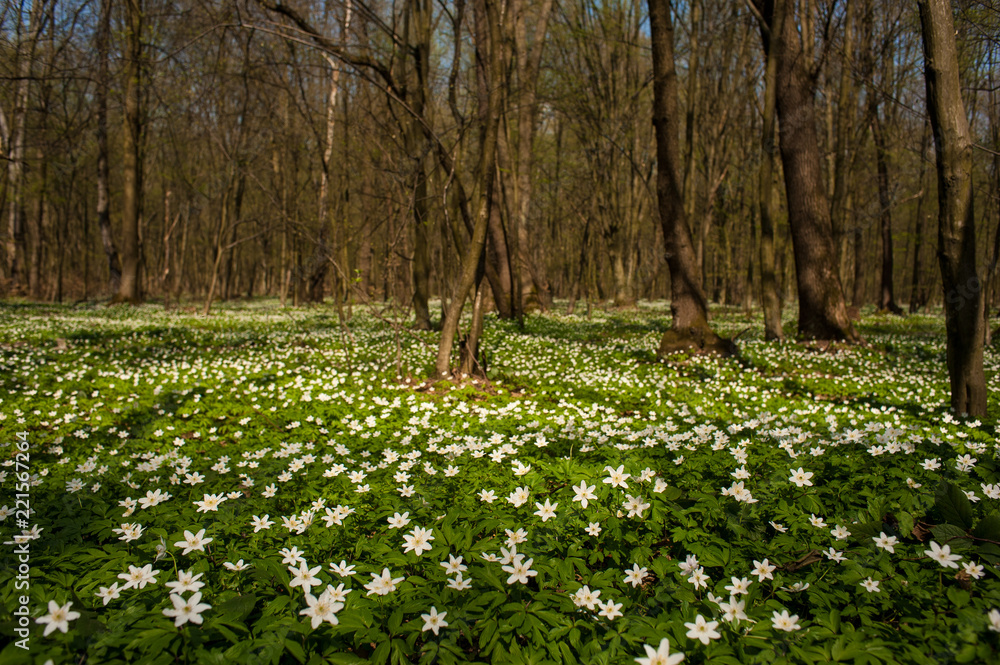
696, 340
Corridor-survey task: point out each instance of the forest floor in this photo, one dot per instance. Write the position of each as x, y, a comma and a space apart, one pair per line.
270, 485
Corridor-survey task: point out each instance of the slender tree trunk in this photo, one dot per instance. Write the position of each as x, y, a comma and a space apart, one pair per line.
62, 235
487, 18
858, 295
317, 276
15, 244
181, 261
497, 255
991, 267
917, 299
845, 124
103, 173
416, 63
534, 283
129, 287
822, 312
37, 230
752, 245
169, 225
963, 294
228, 289
469, 358
769, 298
691, 121
498, 245
688, 308
887, 300
219, 251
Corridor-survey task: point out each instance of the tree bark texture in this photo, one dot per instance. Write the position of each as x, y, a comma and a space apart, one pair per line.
963, 293
770, 300
822, 311
103, 172
129, 288
688, 308
487, 56
887, 299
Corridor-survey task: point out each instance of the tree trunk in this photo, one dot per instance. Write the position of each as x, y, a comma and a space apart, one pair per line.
487, 18
769, 297
691, 121
858, 294
469, 361
963, 295
418, 29
752, 245
103, 173
822, 312
532, 274
228, 290
989, 296
887, 301
689, 311
845, 124
498, 245
37, 230
181, 261
497, 254
15, 245
917, 297
129, 288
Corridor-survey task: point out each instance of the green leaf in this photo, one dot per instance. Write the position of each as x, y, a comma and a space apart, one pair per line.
988, 528
958, 597
989, 552
954, 537
237, 609
296, 650
953, 506
905, 523
381, 654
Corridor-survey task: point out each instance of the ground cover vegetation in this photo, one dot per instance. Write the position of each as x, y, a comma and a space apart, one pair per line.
272, 485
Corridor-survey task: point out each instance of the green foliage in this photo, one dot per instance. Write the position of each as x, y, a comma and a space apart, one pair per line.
810, 483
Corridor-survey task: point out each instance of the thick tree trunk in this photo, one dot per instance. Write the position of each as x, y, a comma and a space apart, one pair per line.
689, 311
963, 294
822, 312
129, 288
